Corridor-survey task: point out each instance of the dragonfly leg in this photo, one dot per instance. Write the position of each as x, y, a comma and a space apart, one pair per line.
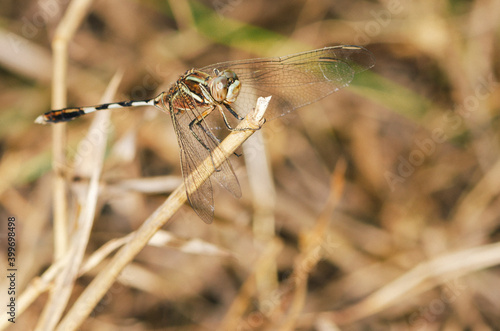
235, 114
226, 122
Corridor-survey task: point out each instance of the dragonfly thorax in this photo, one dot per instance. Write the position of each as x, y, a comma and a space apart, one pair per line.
225, 87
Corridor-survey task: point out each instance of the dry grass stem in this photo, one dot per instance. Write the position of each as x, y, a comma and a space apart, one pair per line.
64, 33
424, 276
236, 312
101, 283
312, 251
264, 200
64, 283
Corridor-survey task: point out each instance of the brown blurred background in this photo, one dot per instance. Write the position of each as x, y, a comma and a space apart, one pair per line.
408, 154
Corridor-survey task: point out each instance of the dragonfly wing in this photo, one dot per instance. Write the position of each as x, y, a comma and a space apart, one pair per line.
193, 153
295, 80
224, 175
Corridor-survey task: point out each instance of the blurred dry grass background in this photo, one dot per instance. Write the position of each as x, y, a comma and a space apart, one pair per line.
381, 209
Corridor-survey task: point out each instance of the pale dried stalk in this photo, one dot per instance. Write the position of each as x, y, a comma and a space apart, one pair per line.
263, 202
64, 33
42, 284
419, 279
65, 280
234, 318
312, 246
103, 281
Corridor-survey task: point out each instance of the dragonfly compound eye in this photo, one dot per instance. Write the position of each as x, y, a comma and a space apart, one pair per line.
218, 88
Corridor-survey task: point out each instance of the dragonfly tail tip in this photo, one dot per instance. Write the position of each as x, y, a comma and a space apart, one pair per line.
40, 120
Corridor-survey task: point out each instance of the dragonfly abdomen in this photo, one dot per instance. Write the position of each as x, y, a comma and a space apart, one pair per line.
68, 114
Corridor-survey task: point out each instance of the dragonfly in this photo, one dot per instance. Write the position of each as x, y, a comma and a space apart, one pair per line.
232, 89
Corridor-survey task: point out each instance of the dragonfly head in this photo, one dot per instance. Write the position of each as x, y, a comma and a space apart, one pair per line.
225, 87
